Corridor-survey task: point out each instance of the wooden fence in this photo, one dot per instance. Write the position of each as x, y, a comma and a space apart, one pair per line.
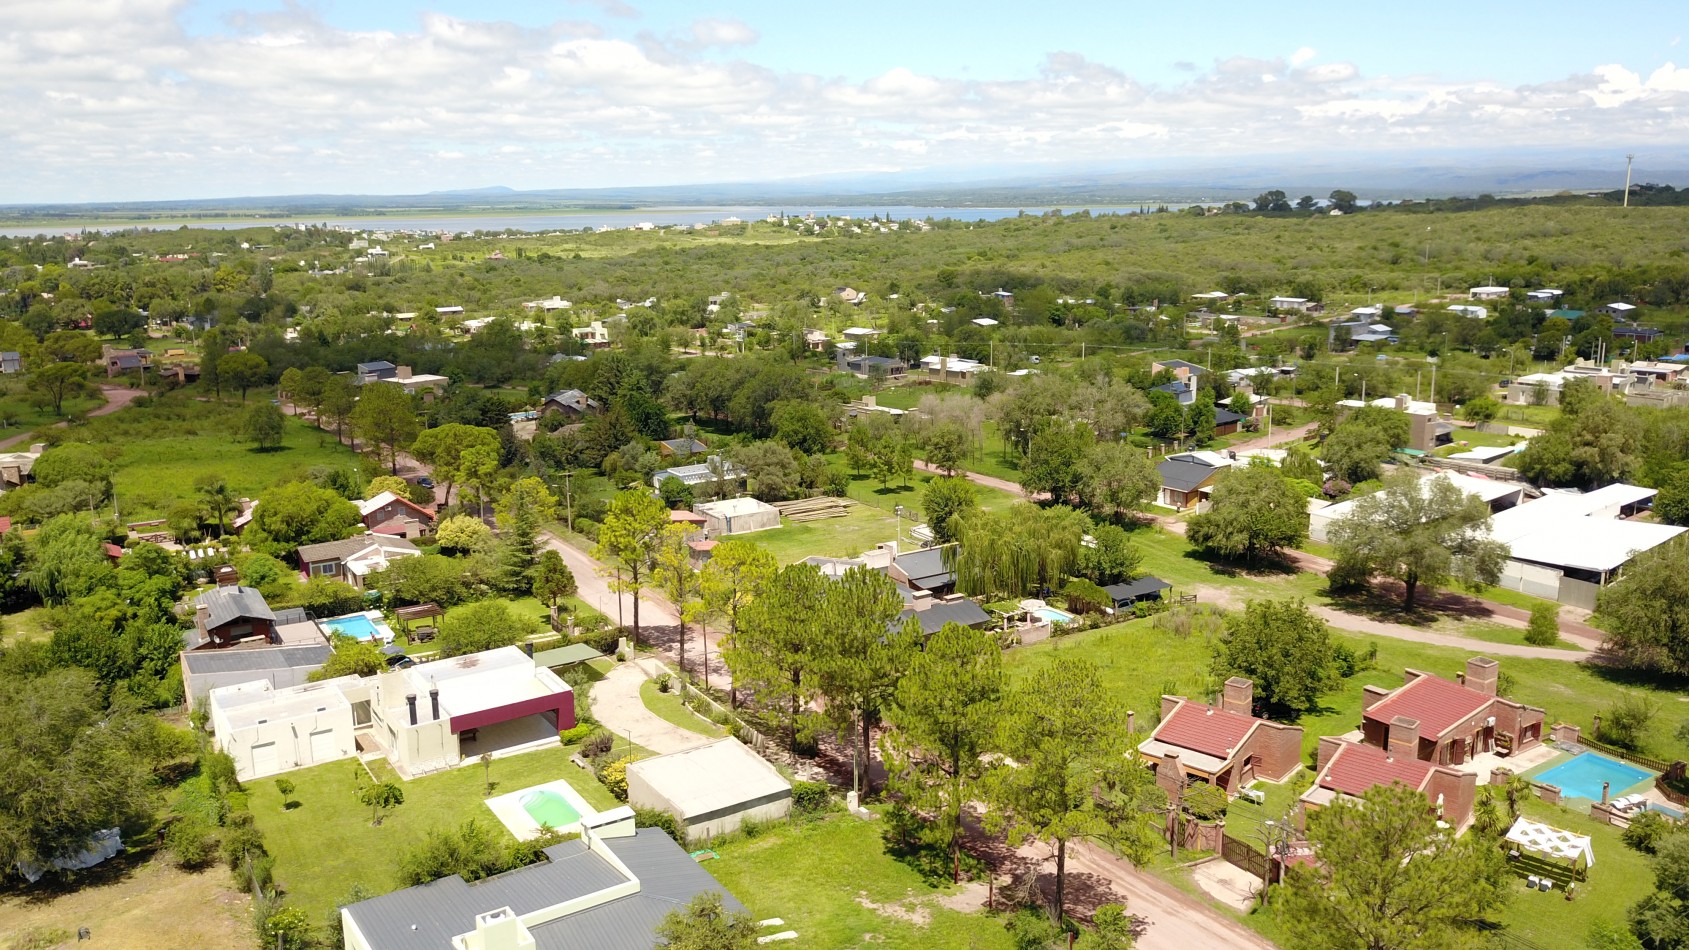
1647, 762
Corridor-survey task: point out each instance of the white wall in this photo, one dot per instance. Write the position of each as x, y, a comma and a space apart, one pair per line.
282, 745
642, 795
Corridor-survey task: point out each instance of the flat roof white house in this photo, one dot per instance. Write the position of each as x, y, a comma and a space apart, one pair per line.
268, 731
1487, 293
737, 516
713, 788
1499, 495
1567, 546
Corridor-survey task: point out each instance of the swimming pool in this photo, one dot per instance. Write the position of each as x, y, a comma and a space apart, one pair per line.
358, 627
1052, 615
1581, 776
548, 808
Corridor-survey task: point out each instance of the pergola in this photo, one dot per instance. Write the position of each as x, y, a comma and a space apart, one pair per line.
1553, 844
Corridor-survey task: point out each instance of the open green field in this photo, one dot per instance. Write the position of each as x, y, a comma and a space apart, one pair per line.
849, 536
19, 413
25, 625
832, 881
326, 844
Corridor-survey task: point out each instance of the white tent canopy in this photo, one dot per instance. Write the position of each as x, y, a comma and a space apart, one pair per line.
1550, 841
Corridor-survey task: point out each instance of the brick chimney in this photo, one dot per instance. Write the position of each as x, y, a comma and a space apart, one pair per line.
1404, 737
1328, 748
1371, 695
1239, 696
1481, 673
1168, 704
1170, 775
1131, 721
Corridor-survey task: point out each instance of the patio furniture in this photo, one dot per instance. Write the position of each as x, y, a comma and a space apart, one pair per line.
1254, 795
1513, 855
1532, 882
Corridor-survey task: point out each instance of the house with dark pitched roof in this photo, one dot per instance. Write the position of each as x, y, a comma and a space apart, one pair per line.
1446, 722
1187, 479
1227, 745
1351, 769
923, 570
932, 616
226, 615
570, 402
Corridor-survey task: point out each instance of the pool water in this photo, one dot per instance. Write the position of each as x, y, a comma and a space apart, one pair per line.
1053, 615
358, 627
550, 809
1581, 776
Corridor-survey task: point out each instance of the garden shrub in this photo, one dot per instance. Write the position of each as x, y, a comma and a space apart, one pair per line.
598, 743
615, 778
577, 734
1646, 831
811, 798
1625, 722
657, 818
188, 839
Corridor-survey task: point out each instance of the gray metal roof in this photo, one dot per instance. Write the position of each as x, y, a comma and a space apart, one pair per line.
1132, 590
229, 604
965, 612
925, 568
255, 661
1181, 475
428, 916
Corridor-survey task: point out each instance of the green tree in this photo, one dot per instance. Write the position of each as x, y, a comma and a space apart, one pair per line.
676, 494
387, 483
1544, 627
71, 346
1253, 513
947, 446
1055, 462
943, 720
296, 513
706, 924
1284, 649
1661, 919
735, 575
628, 540
1345, 201
1597, 445
1110, 557
1116, 478
56, 382
1200, 420
553, 581
243, 371
350, 657
285, 788
442, 448
772, 652
1015, 550
308, 391
1646, 614
860, 657
943, 500
803, 426
463, 533
287, 386
386, 417
1388, 877
1480, 410
216, 498
525, 506
1298, 464
1073, 777
486, 625
67, 561
1113, 928
429, 579
671, 568
381, 798
1671, 505
1422, 532
263, 424
1356, 453
72, 461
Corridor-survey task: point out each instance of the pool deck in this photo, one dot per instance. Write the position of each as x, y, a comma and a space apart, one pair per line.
509, 811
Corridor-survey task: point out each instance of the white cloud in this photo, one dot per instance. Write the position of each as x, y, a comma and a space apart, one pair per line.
284, 102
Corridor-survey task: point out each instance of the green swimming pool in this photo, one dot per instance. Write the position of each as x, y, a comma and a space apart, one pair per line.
549, 808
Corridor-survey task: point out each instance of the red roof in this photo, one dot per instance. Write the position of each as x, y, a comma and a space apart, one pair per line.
1437, 703
686, 517
5, 524
1204, 729
701, 545
392, 526
1355, 768
113, 551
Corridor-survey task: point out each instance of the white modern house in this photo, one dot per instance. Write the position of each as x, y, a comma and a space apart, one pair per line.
713, 788
1566, 546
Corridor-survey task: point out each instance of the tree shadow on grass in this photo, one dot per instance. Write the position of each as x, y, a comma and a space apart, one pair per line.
113, 870
1262, 568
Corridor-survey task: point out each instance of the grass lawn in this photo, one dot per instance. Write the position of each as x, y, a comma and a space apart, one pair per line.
1139, 663
326, 844
25, 625
849, 536
832, 882
19, 413
1244, 818
1621, 877
669, 708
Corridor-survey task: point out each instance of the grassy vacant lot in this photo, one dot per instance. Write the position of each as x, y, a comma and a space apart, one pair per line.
849, 536
669, 708
326, 844
30, 624
833, 883
136, 901
19, 413
163, 447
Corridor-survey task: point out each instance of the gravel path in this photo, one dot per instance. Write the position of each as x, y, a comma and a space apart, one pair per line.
616, 704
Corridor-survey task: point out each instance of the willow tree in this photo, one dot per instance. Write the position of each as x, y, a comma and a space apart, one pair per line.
1015, 551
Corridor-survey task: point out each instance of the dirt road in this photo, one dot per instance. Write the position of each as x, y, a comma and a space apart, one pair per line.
117, 397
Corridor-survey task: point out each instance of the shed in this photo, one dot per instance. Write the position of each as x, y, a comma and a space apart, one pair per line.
1131, 592
713, 787
738, 516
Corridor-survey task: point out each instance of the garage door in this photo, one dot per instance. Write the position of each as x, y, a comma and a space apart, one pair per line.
264, 759
322, 745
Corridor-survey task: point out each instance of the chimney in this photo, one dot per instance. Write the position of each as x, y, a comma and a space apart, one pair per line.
1404, 737
1481, 673
499, 930
1328, 748
1401, 402
410, 703
434, 703
528, 648
1168, 704
1131, 721
1370, 695
1239, 696
402, 372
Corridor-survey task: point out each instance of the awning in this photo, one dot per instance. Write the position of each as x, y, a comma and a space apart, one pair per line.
1546, 840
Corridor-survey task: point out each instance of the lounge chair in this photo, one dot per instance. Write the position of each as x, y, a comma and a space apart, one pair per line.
1547, 884
1532, 882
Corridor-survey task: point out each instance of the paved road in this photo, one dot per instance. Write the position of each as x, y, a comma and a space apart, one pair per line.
616, 704
116, 397
594, 588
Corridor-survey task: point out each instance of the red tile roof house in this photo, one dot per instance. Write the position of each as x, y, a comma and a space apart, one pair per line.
387, 513
1349, 769
1224, 746
1447, 723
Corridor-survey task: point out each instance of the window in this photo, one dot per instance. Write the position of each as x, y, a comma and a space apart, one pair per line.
326, 567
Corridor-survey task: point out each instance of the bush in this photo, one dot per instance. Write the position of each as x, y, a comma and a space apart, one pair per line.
1646, 831
241, 839
657, 818
578, 734
811, 798
1204, 802
615, 778
189, 842
598, 743
1031, 929
665, 683
1149, 608
287, 928
1544, 628
1084, 597
1347, 661
1625, 722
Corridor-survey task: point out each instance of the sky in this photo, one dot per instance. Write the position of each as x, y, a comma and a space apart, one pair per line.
165, 99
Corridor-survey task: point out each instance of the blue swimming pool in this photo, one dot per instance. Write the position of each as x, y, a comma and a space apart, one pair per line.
1052, 615
1581, 776
357, 626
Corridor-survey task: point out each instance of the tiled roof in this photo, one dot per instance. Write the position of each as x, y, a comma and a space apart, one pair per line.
1205, 729
1355, 768
1437, 703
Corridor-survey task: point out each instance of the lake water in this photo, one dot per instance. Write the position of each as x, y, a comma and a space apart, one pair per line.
569, 220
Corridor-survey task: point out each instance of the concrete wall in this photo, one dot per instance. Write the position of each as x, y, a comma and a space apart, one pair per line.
701, 827
1578, 593
1533, 579
283, 745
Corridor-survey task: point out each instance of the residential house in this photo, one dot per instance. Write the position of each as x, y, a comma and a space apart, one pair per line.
815, 341
375, 371
1546, 295
1298, 304
554, 302
11, 361
428, 384
850, 296
729, 516
570, 402
1226, 746
860, 334
1488, 293
1227, 422
607, 890
15, 467
1623, 310
290, 664
224, 616
594, 334
1472, 311
923, 570
1544, 388
120, 360
952, 368
1347, 770
1179, 368
885, 367
389, 514
932, 614
1446, 722
1427, 428
1184, 390
1187, 479
1637, 334
452, 311
1130, 593
1345, 336
353, 559
1212, 296
1499, 495
681, 448
713, 469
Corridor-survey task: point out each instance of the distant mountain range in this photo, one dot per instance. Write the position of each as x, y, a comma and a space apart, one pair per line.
1371, 176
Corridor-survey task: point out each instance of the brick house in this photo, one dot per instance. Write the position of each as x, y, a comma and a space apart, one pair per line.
1226, 746
1447, 723
1350, 769
387, 513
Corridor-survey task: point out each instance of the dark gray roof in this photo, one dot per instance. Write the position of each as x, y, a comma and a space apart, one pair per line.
375, 366
925, 568
1226, 417
346, 547
1195, 370
256, 661
1176, 387
428, 916
1132, 590
965, 612
574, 399
229, 604
1181, 475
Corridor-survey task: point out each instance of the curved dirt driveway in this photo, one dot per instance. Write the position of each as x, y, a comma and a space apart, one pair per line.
117, 397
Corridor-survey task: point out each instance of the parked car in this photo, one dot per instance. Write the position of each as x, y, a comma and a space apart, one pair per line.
425, 481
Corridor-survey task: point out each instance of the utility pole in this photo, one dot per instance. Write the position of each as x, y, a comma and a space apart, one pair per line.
569, 498
1628, 159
